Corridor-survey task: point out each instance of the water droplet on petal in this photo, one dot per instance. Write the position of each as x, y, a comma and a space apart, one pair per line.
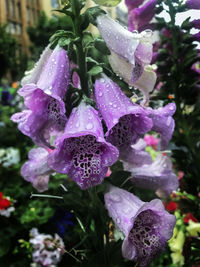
100, 93
89, 126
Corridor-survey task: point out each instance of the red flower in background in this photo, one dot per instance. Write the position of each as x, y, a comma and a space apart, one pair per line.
4, 202
189, 216
171, 206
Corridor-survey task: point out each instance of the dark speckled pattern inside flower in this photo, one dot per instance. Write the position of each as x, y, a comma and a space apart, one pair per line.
86, 156
123, 133
145, 235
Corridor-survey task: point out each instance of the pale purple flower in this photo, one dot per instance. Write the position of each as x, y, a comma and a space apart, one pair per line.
163, 123
129, 49
146, 225
193, 4
44, 122
47, 250
136, 155
125, 121
157, 176
82, 151
133, 3
43, 93
36, 169
139, 18
50, 76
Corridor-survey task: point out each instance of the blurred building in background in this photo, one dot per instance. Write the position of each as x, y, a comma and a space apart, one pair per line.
19, 14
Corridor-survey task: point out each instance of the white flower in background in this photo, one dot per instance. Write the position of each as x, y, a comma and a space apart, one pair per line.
47, 250
7, 211
9, 156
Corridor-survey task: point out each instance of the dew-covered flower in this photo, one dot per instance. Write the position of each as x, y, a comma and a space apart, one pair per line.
133, 3
125, 121
43, 90
139, 18
36, 169
193, 4
82, 151
47, 250
131, 53
42, 124
163, 123
157, 176
146, 225
50, 76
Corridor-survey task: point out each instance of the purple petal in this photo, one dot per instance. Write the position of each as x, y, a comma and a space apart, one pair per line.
40, 127
82, 151
125, 121
133, 3
163, 122
36, 169
53, 78
117, 38
135, 155
193, 4
122, 206
156, 176
34, 74
140, 17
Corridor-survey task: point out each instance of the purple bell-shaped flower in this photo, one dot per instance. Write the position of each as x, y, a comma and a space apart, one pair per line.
157, 175
36, 169
146, 225
125, 121
82, 151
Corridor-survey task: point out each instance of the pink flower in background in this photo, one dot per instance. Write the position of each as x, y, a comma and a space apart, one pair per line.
180, 175
151, 141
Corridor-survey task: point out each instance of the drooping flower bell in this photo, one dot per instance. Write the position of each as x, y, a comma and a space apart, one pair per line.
131, 53
47, 85
157, 176
43, 125
50, 77
146, 225
36, 169
125, 121
139, 18
163, 123
82, 151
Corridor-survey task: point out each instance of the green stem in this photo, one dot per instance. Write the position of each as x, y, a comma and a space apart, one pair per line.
80, 53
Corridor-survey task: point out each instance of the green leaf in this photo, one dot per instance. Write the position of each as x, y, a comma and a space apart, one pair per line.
91, 60
95, 70
108, 3
64, 42
100, 45
92, 13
